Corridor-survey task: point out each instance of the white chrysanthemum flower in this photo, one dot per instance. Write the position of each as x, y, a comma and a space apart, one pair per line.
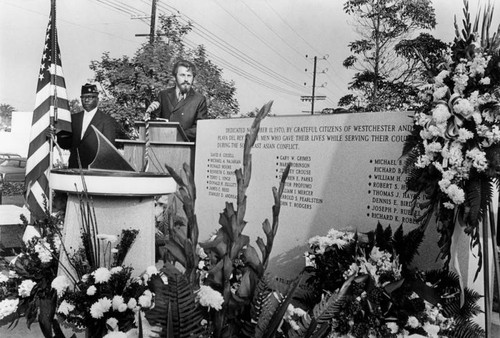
432, 330
65, 308
460, 81
478, 158
478, 65
433, 147
464, 135
413, 322
116, 269
449, 174
441, 113
91, 290
146, 299
440, 93
423, 161
100, 307
485, 81
8, 307
3, 278
437, 130
444, 184
453, 154
43, 251
353, 270
209, 297
422, 119
25, 288
60, 284
425, 134
464, 108
117, 301
456, 194
393, 327
101, 275
132, 303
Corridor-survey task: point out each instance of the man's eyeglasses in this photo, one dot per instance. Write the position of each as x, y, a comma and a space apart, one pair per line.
88, 98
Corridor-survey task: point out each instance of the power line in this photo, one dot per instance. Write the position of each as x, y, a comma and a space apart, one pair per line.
257, 36
245, 74
226, 64
205, 33
291, 28
271, 29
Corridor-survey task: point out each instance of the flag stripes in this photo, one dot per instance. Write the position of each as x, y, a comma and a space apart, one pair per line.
51, 88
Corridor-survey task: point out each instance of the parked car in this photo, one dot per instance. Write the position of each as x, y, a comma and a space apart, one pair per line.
13, 170
6, 156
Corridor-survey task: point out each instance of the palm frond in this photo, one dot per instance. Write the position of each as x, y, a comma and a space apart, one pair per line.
406, 246
261, 294
179, 296
449, 284
274, 310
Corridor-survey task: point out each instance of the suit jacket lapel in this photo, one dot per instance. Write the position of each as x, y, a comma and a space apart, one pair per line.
172, 98
77, 132
180, 104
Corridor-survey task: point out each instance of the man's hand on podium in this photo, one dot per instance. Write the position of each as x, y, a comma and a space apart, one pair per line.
152, 107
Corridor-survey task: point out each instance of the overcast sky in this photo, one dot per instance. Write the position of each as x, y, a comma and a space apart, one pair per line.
260, 44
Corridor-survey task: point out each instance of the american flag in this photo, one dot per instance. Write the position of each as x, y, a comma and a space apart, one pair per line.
50, 92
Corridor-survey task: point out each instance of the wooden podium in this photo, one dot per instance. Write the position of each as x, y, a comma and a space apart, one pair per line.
168, 145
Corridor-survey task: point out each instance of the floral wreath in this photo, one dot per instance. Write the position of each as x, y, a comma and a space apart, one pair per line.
453, 153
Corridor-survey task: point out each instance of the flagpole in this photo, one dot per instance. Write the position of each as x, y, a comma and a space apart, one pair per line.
53, 112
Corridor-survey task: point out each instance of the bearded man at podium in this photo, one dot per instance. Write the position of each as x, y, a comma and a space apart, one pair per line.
181, 103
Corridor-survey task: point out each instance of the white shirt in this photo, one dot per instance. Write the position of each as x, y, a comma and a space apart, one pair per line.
180, 96
87, 117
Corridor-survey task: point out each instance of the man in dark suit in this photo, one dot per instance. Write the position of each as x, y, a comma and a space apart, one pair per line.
82, 142
181, 103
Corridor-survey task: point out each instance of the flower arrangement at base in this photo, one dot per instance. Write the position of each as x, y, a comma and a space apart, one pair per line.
26, 290
97, 293
105, 300
385, 297
453, 153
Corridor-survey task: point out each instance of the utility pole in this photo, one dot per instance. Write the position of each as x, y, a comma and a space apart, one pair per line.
314, 97
314, 85
152, 24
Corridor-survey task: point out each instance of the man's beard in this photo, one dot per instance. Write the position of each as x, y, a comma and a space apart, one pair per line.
184, 87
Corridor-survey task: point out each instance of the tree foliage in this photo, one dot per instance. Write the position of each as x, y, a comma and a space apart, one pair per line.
384, 80
130, 84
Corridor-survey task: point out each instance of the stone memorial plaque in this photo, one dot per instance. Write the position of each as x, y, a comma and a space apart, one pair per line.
346, 172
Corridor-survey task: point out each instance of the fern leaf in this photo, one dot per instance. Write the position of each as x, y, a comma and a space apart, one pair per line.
406, 246
185, 312
275, 308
